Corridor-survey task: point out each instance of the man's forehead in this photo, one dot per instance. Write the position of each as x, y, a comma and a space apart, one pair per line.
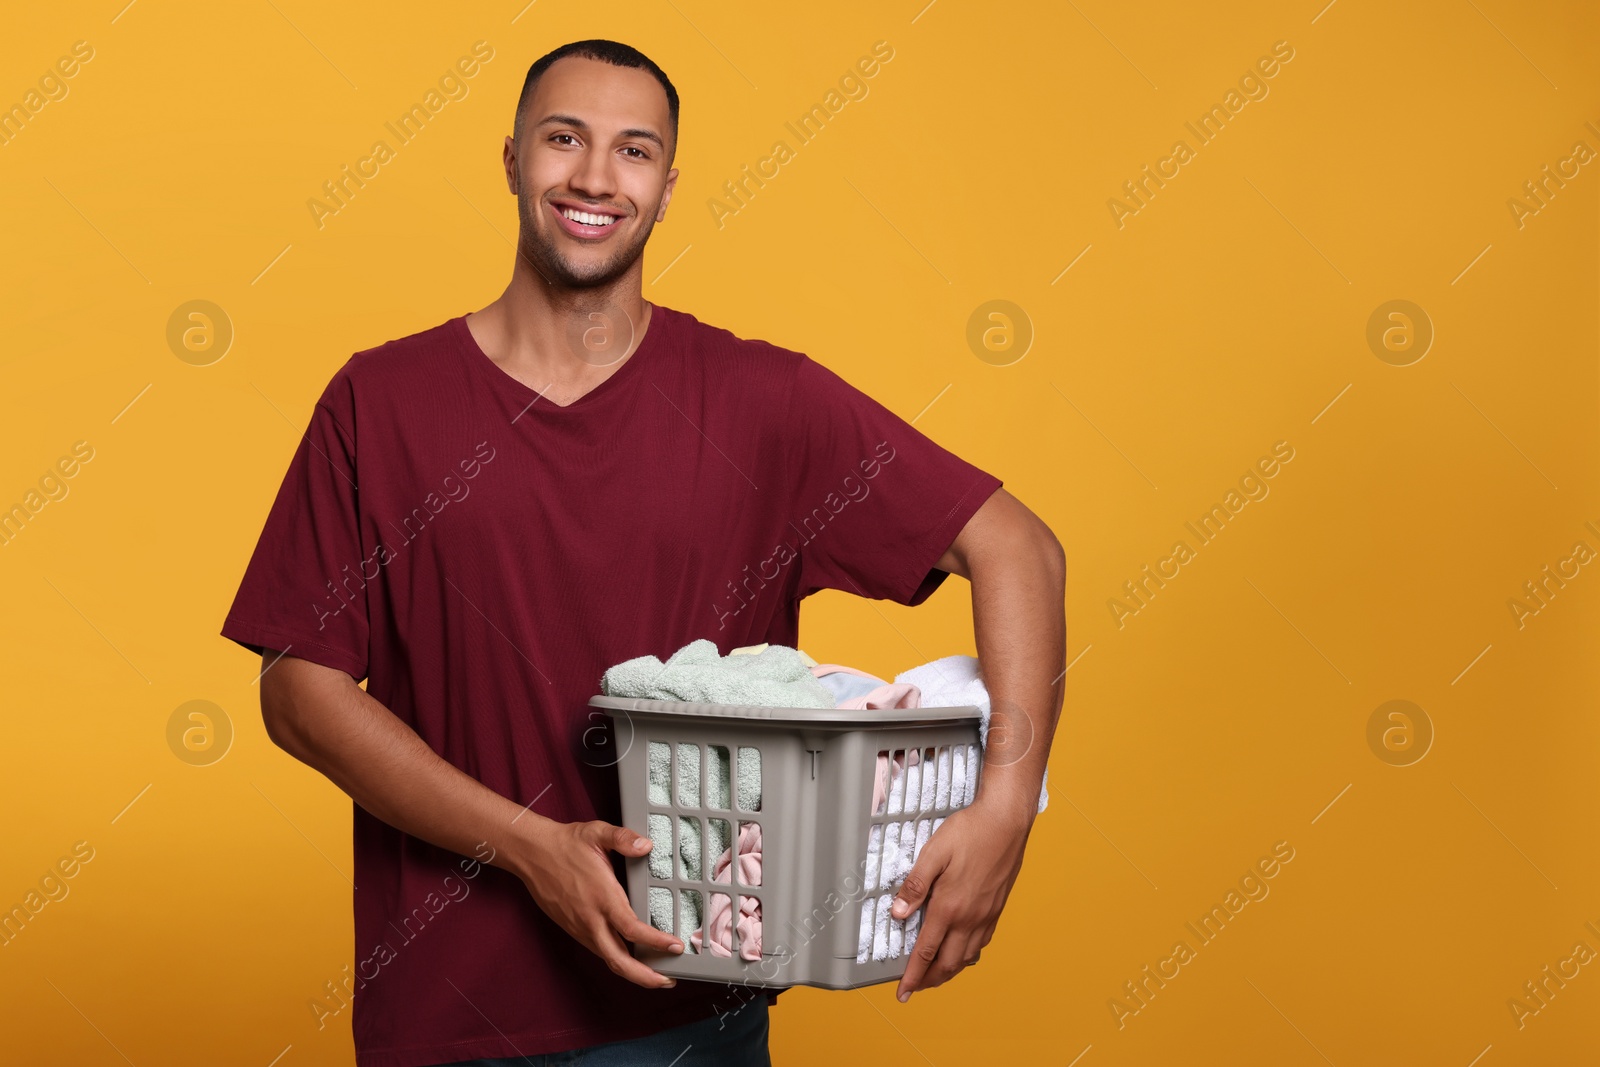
598, 93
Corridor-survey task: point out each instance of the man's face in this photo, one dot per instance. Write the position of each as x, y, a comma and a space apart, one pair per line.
595, 141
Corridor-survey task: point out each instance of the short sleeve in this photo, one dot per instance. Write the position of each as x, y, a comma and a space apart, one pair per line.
874, 502
304, 590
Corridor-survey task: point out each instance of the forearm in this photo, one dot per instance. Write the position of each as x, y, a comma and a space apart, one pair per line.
1019, 624
324, 719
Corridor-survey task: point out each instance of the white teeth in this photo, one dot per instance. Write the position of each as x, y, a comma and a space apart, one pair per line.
586, 218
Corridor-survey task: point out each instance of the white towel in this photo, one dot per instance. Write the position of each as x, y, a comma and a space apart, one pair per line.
880, 929
913, 777
941, 796
930, 783
890, 873
958, 775
957, 681
874, 854
895, 847
897, 936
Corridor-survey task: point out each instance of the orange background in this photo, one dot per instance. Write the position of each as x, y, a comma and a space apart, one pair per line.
1230, 312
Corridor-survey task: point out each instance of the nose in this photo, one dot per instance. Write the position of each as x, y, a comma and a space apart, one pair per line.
594, 175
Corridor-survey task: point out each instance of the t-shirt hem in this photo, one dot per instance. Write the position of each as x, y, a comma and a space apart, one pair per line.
257, 637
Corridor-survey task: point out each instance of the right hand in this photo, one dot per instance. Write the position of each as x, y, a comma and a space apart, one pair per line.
572, 881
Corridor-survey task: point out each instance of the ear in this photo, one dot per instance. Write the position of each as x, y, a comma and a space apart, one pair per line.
666, 194
510, 160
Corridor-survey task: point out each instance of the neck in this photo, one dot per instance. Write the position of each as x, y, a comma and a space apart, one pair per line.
535, 326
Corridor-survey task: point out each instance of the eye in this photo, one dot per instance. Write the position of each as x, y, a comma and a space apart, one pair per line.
554, 136
635, 148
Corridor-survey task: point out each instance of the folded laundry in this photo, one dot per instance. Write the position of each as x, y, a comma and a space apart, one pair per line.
846, 683
954, 682
717, 938
917, 785
905, 782
776, 676
857, 689
748, 794
763, 675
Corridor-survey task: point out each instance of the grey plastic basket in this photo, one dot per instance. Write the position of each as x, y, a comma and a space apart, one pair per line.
816, 773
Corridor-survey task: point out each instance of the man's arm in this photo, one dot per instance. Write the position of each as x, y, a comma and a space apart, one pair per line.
1018, 573
324, 719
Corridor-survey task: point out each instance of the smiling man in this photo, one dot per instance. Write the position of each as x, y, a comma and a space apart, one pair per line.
484, 516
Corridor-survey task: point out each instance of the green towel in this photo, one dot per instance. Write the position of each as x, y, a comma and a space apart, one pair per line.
775, 677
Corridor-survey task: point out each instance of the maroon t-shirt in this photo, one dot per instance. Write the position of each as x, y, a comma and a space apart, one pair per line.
481, 556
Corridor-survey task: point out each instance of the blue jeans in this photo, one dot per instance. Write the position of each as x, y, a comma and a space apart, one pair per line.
737, 1039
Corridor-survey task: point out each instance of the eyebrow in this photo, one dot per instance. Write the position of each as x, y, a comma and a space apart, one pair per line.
579, 124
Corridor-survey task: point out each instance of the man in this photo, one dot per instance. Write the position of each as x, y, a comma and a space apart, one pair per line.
484, 516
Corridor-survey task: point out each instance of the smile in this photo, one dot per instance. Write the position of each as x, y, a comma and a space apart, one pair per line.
580, 223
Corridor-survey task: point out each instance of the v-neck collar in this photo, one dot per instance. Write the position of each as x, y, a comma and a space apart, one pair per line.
529, 400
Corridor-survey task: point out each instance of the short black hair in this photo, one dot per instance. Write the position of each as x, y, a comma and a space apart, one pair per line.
612, 52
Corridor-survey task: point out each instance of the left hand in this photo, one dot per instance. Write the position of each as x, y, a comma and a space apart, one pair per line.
972, 861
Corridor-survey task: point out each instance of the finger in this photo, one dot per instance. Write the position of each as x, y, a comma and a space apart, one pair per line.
951, 959
630, 926
623, 840
918, 882
929, 940
975, 945
611, 949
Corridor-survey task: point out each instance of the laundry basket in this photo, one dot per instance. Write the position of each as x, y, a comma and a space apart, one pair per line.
703, 780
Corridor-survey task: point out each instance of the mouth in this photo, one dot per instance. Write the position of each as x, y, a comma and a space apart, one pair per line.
585, 224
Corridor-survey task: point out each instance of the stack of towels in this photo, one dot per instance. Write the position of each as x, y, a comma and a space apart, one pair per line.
910, 785
761, 675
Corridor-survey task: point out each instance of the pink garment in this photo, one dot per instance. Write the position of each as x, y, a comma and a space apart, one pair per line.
719, 921
889, 695
880, 781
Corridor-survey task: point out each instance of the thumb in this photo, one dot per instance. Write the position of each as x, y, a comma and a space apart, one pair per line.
621, 839
914, 890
